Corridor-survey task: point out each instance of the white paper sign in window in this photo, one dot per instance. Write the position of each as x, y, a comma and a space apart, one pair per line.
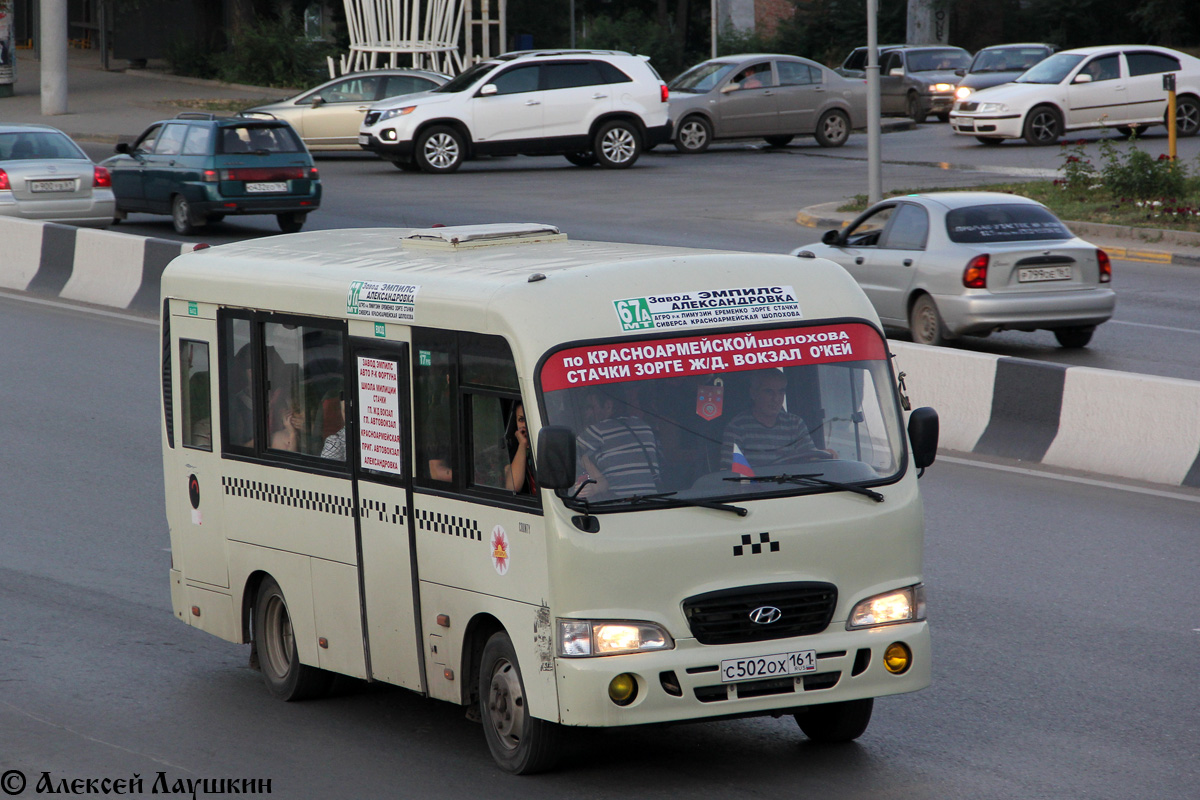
379, 416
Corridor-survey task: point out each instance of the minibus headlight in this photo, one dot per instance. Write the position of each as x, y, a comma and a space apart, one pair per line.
579, 638
902, 605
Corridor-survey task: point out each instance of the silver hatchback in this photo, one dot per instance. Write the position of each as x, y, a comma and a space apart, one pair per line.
45, 176
950, 264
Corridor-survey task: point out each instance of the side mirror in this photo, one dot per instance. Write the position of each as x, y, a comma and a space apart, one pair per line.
960, 72
1082, 77
832, 237
898, 72
122, 148
488, 91
317, 101
923, 433
556, 457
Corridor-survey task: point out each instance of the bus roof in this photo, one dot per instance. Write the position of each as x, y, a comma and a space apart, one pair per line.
526, 282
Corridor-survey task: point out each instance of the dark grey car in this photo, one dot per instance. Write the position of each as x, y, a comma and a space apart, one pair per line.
917, 82
1001, 63
773, 97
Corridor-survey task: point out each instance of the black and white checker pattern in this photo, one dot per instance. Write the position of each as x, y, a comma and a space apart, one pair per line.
288, 496
448, 524
764, 541
378, 508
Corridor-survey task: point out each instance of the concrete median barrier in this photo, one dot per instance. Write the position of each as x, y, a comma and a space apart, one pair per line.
106, 268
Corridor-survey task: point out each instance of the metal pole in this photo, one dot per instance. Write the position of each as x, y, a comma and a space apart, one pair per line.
713, 27
1169, 85
54, 57
572, 24
874, 128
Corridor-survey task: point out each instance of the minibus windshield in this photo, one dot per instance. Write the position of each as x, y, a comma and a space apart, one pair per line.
726, 416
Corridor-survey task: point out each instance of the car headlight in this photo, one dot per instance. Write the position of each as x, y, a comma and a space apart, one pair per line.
396, 112
940, 88
581, 638
963, 92
985, 108
890, 608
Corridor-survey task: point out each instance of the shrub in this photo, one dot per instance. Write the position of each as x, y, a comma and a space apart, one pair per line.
274, 52
1140, 175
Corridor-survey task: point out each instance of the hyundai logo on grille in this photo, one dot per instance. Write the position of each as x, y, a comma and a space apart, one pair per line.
765, 615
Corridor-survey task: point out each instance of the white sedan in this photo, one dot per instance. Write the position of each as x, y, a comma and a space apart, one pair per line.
950, 264
1117, 86
45, 176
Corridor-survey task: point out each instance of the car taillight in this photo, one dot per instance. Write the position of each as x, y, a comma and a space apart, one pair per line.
663, 92
975, 275
210, 176
4, 181
313, 175
101, 178
1105, 266
263, 174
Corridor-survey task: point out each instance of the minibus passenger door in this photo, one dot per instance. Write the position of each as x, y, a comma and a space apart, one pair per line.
378, 447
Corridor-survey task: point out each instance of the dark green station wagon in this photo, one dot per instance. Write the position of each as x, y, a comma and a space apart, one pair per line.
199, 168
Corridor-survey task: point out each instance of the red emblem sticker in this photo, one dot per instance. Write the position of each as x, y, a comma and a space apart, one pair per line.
499, 550
710, 400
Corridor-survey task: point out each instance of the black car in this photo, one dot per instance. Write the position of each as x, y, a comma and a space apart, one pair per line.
199, 168
1001, 63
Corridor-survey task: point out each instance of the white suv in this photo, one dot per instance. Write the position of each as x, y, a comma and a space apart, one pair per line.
592, 106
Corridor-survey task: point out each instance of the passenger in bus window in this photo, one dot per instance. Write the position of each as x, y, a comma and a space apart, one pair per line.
335, 444
766, 434
519, 475
618, 451
287, 421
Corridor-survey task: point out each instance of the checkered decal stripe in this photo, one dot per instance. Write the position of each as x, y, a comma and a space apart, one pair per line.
288, 496
444, 523
764, 541
380, 509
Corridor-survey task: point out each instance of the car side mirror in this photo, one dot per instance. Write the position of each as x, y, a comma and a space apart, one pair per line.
488, 91
923, 433
730, 87
832, 237
122, 148
318, 101
556, 457
1082, 77
960, 72
898, 72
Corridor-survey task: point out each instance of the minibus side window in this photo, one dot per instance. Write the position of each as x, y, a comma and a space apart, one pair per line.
435, 416
195, 392
238, 391
304, 389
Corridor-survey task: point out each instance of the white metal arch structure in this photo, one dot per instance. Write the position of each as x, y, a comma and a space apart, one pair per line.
428, 31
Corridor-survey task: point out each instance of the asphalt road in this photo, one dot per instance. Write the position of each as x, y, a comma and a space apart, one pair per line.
744, 196
1064, 617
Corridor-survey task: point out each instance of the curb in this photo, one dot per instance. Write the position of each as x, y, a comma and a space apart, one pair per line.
820, 216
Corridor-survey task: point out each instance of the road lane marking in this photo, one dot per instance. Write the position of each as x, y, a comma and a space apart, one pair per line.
1155, 327
1101, 484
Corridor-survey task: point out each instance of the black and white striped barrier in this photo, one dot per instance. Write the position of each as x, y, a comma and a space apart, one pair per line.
1122, 424
106, 268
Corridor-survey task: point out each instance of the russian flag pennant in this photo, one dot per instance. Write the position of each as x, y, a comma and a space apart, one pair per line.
739, 464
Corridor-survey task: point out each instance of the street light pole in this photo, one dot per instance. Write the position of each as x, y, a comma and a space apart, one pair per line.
54, 57
713, 27
874, 130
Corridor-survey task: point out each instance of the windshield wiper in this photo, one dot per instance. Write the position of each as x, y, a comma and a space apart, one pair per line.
669, 497
813, 478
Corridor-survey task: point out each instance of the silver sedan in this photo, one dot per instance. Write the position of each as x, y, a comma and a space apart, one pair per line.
775, 97
950, 264
45, 176
328, 116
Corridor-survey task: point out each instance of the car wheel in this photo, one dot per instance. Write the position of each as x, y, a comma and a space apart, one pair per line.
618, 144
925, 323
836, 722
833, 129
778, 141
944, 117
520, 743
406, 164
1187, 115
181, 216
1127, 130
990, 141
291, 222
1074, 338
694, 135
275, 646
1043, 126
581, 159
914, 108
440, 149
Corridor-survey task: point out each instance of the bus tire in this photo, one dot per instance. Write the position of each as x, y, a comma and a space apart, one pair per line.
275, 644
520, 743
834, 723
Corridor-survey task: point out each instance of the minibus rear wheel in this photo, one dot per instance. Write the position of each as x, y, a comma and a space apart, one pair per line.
520, 743
275, 644
832, 723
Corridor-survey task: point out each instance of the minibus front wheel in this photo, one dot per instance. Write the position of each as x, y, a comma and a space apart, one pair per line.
520, 743
836, 722
275, 644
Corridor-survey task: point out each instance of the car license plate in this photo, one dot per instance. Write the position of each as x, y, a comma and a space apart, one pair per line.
52, 186
274, 186
772, 666
364, 138
1036, 274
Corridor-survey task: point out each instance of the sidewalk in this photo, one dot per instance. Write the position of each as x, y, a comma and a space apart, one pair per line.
114, 105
